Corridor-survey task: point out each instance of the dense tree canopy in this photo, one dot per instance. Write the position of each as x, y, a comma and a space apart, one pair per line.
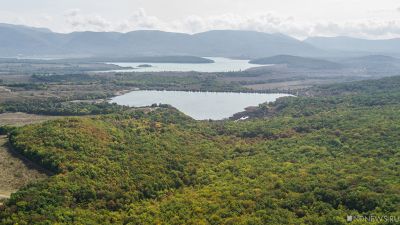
315, 161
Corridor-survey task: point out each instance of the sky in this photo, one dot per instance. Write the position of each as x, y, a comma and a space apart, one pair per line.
372, 19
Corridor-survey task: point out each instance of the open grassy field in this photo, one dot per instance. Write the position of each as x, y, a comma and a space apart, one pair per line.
15, 171
21, 119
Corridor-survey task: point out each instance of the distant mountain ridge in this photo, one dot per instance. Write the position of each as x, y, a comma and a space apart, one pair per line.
26, 41
22, 41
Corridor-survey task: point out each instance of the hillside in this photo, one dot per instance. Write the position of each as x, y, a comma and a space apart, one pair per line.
298, 62
315, 160
373, 62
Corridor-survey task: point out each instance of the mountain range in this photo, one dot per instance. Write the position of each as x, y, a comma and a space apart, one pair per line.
356, 45
22, 41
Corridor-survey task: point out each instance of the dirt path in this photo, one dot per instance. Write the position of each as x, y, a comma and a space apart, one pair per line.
4, 196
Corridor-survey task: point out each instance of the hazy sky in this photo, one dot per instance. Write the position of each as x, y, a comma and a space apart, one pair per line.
299, 18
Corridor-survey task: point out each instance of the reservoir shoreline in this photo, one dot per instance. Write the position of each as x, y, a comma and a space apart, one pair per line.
198, 105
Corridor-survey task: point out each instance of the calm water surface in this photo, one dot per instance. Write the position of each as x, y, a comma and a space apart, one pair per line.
198, 105
220, 65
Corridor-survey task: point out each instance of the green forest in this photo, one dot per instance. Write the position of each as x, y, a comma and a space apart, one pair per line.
301, 160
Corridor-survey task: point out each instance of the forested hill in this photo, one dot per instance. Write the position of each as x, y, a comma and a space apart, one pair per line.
315, 161
351, 95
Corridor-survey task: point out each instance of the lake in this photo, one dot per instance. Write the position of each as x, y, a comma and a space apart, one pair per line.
198, 105
220, 65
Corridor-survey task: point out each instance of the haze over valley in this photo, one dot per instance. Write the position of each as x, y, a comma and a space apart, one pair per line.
200, 112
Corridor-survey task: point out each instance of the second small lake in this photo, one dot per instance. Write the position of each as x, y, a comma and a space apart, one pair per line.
198, 105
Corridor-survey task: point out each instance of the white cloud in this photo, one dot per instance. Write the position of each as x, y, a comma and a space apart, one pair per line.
72, 12
140, 20
366, 29
273, 23
79, 22
93, 22
266, 22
